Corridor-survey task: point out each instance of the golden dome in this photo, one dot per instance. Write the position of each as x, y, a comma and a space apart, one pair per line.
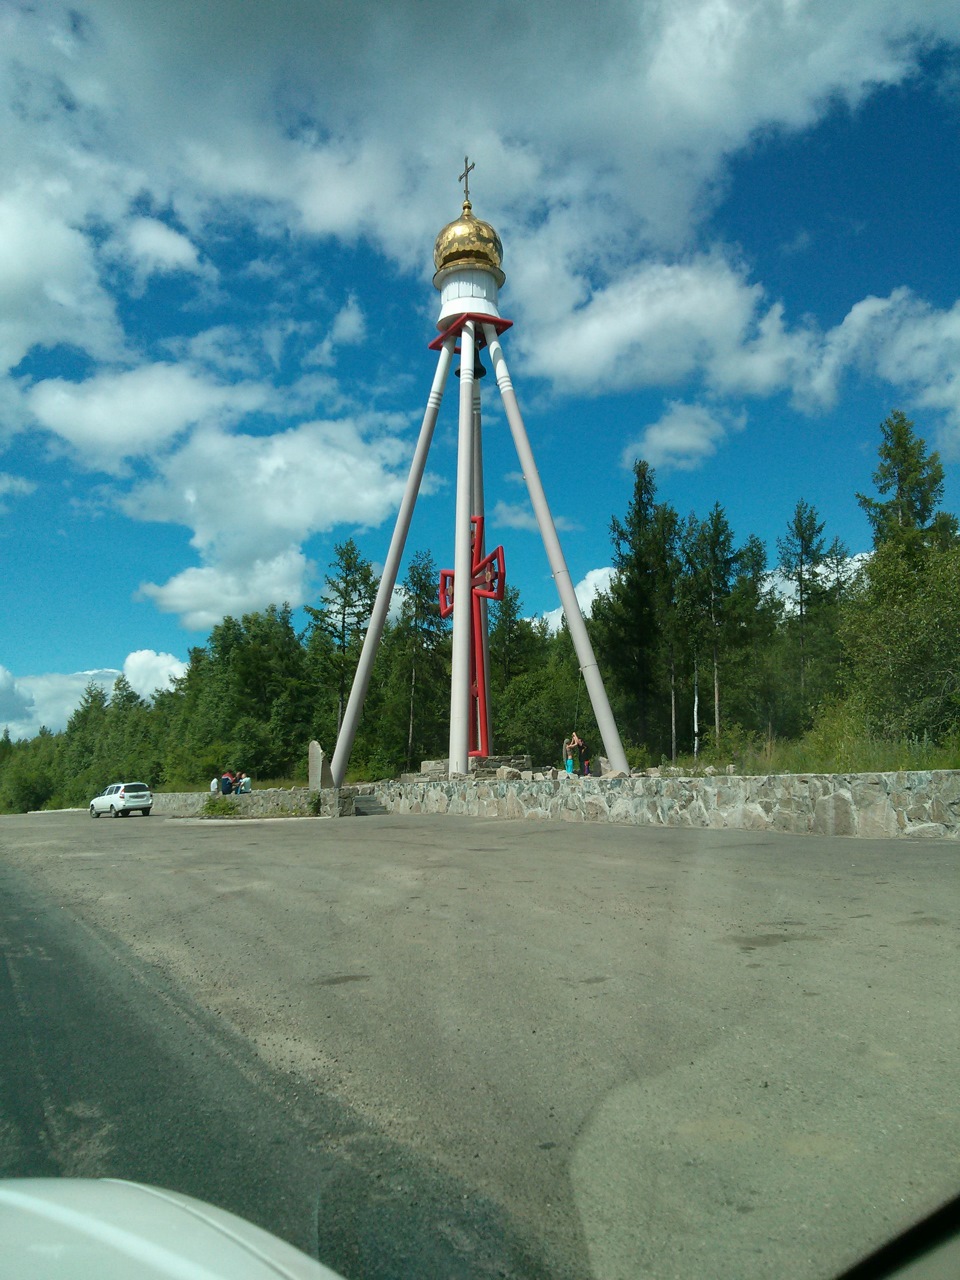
468, 242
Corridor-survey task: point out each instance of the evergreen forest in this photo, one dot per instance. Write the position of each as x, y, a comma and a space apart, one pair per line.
783, 659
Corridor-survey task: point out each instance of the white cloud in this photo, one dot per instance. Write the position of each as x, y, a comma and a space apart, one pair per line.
203, 597
703, 320
250, 497
662, 323
224, 349
349, 325
900, 339
50, 291
266, 115
114, 416
586, 591
829, 575
252, 500
516, 515
152, 247
147, 671
271, 107
29, 702
918, 346
349, 328
157, 247
683, 438
16, 702
260, 116
13, 487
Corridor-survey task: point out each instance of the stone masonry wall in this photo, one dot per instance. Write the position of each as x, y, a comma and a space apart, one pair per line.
867, 805
876, 805
266, 803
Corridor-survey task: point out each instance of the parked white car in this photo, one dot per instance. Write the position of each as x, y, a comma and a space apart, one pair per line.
121, 799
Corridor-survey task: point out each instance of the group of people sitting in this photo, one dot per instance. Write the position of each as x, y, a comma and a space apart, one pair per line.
576, 757
230, 782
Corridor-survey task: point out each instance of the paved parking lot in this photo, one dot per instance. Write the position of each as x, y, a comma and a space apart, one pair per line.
487, 1048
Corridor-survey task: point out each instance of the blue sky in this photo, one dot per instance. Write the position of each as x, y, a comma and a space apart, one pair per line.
730, 237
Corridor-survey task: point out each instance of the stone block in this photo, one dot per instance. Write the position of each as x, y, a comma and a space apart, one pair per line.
748, 817
696, 814
319, 777
514, 807
946, 785
623, 810
435, 800
595, 809
834, 815
346, 805
878, 820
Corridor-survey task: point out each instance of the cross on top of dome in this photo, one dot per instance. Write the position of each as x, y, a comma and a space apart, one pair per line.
465, 178
467, 242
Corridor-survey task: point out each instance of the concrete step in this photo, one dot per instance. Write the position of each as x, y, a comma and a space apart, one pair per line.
365, 806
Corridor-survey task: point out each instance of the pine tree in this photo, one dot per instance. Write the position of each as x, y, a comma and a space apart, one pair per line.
420, 661
802, 553
711, 562
348, 603
625, 617
914, 482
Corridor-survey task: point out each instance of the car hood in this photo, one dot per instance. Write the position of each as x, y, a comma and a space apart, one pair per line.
75, 1228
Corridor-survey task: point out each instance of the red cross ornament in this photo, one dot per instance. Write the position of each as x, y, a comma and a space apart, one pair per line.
487, 581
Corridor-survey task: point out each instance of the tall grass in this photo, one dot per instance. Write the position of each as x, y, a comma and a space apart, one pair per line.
839, 742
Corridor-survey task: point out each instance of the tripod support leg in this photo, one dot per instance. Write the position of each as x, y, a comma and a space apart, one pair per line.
388, 580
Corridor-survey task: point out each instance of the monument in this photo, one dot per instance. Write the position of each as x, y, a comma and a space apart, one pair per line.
467, 256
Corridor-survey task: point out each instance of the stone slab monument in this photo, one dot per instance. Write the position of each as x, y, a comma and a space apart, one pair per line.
319, 777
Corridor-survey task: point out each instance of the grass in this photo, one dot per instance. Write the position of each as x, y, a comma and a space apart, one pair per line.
220, 807
836, 744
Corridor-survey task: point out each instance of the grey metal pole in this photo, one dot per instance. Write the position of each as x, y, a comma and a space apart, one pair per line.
459, 761
388, 579
609, 734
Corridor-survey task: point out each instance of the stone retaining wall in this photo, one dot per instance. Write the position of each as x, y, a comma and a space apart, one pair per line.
876, 805
868, 804
269, 802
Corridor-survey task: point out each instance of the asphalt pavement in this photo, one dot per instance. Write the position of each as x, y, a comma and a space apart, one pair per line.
430, 1046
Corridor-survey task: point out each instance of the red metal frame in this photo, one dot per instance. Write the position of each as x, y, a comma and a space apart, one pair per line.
487, 582
499, 324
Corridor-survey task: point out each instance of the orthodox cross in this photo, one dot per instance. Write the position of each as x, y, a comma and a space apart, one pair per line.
465, 177
487, 582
